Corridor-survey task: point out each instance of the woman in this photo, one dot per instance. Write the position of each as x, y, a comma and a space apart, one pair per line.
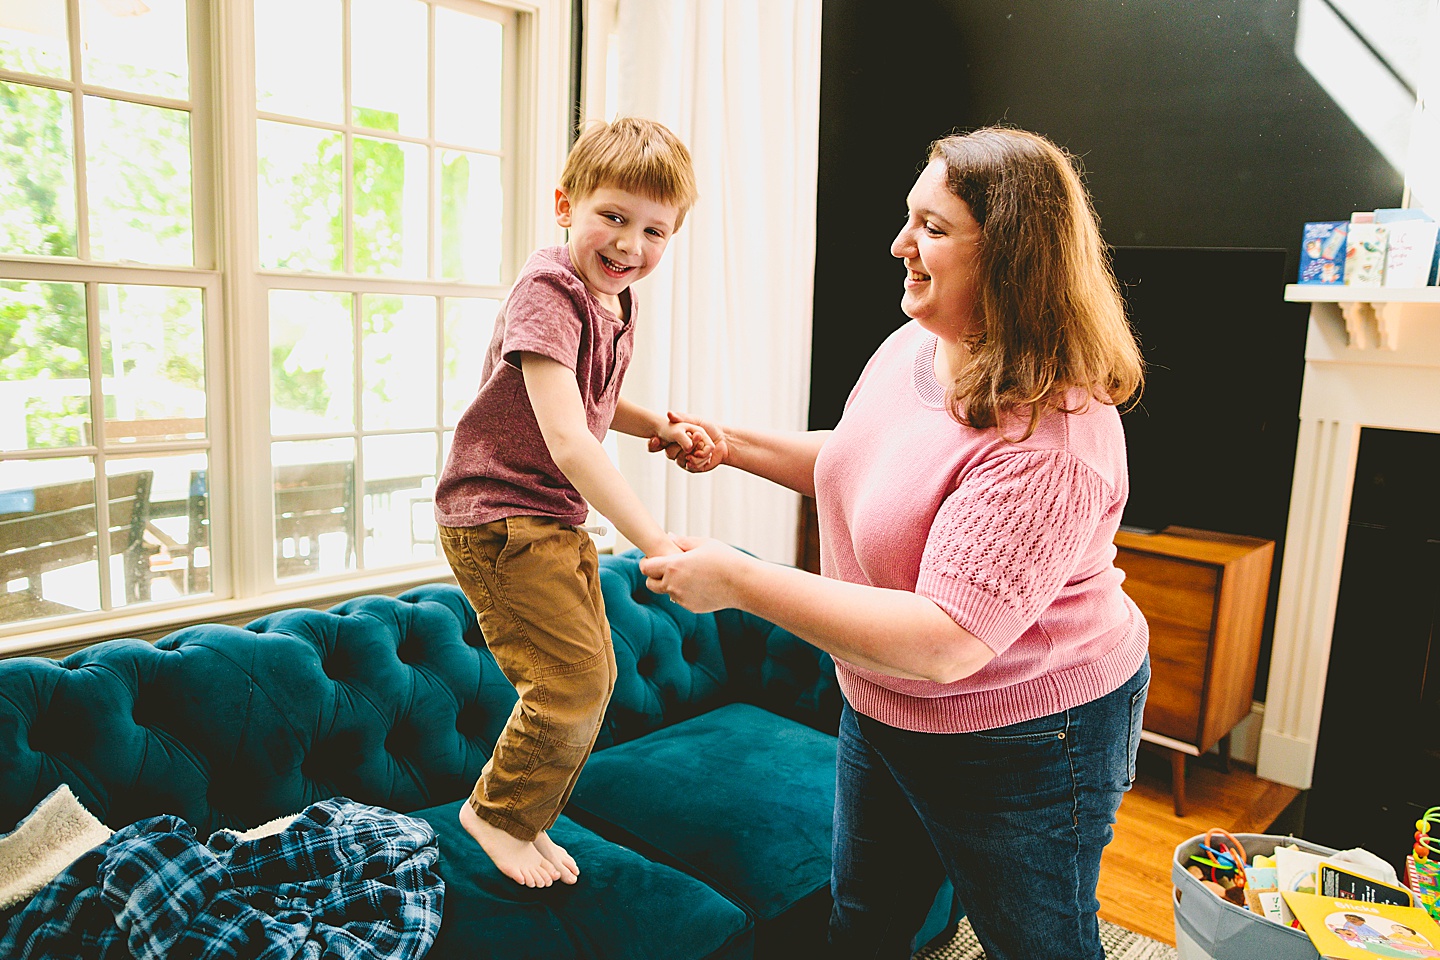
994, 672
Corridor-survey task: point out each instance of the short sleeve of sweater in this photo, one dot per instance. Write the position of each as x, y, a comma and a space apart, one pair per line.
544, 314
1007, 539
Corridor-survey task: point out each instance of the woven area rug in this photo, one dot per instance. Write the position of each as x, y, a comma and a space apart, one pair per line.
1119, 943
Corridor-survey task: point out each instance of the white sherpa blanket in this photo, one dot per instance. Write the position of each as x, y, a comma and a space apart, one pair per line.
51, 838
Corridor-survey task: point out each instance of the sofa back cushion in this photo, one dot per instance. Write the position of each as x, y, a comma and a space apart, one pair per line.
674, 664
388, 701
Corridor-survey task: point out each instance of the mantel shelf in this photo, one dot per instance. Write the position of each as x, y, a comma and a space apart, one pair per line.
1377, 309
1339, 293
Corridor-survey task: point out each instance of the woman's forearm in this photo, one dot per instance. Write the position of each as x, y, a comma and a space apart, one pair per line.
784, 458
895, 632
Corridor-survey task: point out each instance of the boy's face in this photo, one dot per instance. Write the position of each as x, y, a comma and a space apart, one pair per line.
616, 237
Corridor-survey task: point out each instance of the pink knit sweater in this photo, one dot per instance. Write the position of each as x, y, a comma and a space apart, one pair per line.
1013, 540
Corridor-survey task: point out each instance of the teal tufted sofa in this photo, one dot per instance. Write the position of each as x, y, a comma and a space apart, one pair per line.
701, 823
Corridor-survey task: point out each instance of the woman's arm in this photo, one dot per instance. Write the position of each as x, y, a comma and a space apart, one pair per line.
786, 458
895, 632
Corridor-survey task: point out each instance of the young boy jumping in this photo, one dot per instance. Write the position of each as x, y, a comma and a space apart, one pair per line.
525, 460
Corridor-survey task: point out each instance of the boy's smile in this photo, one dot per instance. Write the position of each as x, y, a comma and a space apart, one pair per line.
616, 237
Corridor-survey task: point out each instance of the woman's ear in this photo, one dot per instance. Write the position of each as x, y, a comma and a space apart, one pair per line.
563, 209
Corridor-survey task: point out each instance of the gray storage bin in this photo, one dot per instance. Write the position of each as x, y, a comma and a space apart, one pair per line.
1209, 928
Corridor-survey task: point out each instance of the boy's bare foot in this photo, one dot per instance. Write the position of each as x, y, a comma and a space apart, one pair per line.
558, 857
517, 859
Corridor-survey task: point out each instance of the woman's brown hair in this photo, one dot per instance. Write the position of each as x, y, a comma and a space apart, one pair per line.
1048, 311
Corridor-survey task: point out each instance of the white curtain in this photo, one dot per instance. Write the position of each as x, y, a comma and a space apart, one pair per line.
724, 323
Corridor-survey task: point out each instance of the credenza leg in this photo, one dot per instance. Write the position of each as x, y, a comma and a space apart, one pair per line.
1177, 781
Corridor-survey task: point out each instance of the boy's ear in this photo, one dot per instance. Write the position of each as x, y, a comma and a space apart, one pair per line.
563, 209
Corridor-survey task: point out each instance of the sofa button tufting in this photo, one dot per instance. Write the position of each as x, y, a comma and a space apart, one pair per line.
690, 649
645, 666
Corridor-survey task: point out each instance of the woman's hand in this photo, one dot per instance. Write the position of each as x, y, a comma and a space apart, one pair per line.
696, 461
701, 579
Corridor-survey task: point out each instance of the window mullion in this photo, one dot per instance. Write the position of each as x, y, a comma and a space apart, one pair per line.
94, 347
348, 165
357, 358
77, 118
432, 155
204, 178
242, 550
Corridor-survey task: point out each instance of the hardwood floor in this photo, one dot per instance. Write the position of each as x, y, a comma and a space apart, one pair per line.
1135, 871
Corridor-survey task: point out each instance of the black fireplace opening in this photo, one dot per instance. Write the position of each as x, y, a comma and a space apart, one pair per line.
1377, 760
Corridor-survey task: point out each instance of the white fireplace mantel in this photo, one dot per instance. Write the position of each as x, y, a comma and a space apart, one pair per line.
1372, 359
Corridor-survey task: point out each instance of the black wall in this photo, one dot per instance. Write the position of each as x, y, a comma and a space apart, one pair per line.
1196, 125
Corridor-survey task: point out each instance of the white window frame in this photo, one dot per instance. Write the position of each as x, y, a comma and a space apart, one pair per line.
236, 295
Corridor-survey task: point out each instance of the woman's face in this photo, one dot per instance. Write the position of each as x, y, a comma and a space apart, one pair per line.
940, 246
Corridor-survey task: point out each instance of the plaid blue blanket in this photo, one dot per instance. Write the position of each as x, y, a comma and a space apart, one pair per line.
344, 881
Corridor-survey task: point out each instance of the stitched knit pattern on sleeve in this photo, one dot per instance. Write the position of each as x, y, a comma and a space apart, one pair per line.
499, 465
1013, 540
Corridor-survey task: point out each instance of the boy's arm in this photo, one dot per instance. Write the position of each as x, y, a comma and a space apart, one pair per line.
555, 398
783, 457
663, 431
637, 421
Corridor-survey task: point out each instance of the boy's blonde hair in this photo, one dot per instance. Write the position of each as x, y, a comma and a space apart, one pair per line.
634, 155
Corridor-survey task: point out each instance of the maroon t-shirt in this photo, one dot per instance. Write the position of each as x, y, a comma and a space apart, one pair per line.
499, 465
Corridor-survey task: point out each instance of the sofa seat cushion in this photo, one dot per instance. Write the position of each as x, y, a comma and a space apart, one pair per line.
739, 797
622, 906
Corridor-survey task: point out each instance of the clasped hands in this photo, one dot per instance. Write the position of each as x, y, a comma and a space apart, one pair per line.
702, 578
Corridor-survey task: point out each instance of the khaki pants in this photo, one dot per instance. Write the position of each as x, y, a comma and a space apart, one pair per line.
535, 585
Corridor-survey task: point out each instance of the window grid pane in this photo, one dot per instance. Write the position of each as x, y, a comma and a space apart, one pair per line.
45, 377
35, 38
138, 182
298, 57
136, 45
37, 136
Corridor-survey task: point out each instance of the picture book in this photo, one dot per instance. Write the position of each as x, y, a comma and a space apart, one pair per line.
1295, 870
1397, 214
1343, 882
1322, 252
1365, 254
1347, 930
1410, 253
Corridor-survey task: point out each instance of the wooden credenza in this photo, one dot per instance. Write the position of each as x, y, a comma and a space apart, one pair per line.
1204, 596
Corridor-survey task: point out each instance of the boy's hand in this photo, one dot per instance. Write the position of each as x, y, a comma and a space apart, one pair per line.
695, 445
691, 440
702, 578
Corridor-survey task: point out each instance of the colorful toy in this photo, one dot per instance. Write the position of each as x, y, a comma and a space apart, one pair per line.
1220, 866
1422, 875
1424, 843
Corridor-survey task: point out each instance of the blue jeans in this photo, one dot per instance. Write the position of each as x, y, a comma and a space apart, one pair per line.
1016, 817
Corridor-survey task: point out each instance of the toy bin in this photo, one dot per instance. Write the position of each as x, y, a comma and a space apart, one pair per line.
1210, 928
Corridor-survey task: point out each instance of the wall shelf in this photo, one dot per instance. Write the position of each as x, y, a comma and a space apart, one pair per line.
1374, 308
1340, 293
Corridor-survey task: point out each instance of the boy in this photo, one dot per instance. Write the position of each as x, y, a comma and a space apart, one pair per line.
526, 458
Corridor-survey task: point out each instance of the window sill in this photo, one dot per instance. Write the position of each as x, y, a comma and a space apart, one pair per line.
151, 625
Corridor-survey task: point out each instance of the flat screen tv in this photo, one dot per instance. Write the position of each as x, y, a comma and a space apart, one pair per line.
1211, 443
